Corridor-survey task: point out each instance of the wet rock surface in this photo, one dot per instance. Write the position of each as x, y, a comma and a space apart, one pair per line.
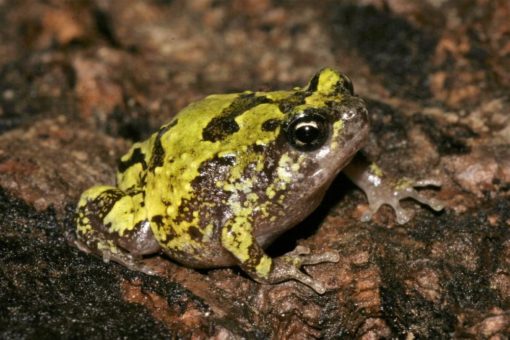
81, 80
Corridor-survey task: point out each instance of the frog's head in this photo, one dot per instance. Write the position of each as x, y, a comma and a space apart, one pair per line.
329, 128
324, 124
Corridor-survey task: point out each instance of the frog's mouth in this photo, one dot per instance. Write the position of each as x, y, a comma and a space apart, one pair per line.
352, 147
309, 190
351, 138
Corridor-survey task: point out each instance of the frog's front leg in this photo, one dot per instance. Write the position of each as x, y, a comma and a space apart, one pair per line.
382, 189
109, 225
240, 242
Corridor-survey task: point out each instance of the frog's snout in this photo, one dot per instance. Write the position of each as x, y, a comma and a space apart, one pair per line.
354, 116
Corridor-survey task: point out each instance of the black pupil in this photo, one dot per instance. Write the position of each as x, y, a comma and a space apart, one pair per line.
307, 132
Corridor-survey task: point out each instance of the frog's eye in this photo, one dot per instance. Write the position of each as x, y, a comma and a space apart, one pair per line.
308, 131
348, 84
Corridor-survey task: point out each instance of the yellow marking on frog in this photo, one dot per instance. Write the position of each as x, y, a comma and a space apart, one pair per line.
237, 236
207, 233
245, 186
316, 99
277, 95
270, 192
281, 199
376, 170
83, 225
171, 209
328, 78
260, 165
263, 209
284, 170
107, 245
289, 168
264, 266
337, 130
293, 260
174, 183
184, 242
252, 197
92, 193
120, 217
131, 177
248, 203
403, 183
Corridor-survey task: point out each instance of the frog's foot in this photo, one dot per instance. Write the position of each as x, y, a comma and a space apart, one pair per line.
256, 263
392, 192
383, 189
287, 267
109, 251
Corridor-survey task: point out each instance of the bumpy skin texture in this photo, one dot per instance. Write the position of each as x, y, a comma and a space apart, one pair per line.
227, 176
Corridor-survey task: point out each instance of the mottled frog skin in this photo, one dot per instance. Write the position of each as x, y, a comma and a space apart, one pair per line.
228, 175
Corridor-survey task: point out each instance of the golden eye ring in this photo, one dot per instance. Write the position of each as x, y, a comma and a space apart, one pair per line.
308, 131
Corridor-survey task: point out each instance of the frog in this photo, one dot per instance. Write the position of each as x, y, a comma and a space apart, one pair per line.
229, 174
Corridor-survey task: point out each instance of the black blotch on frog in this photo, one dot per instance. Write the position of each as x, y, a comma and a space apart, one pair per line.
343, 86
254, 256
195, 234
158, 220
312, 86
96, 210
224, 125
158, 152
297, 98
271, 124
137, 156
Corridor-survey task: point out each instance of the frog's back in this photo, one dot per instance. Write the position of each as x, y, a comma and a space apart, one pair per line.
174, 167
147, 155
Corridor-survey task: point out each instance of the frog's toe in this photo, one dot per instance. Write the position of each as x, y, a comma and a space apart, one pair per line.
301, 256
401, 191
373, 207
328, 256
407, 190
318, 287
75, 242
392, 193
294, 273
417, 196
427, 182
128, 261
287, 268
402, 215
299, 250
